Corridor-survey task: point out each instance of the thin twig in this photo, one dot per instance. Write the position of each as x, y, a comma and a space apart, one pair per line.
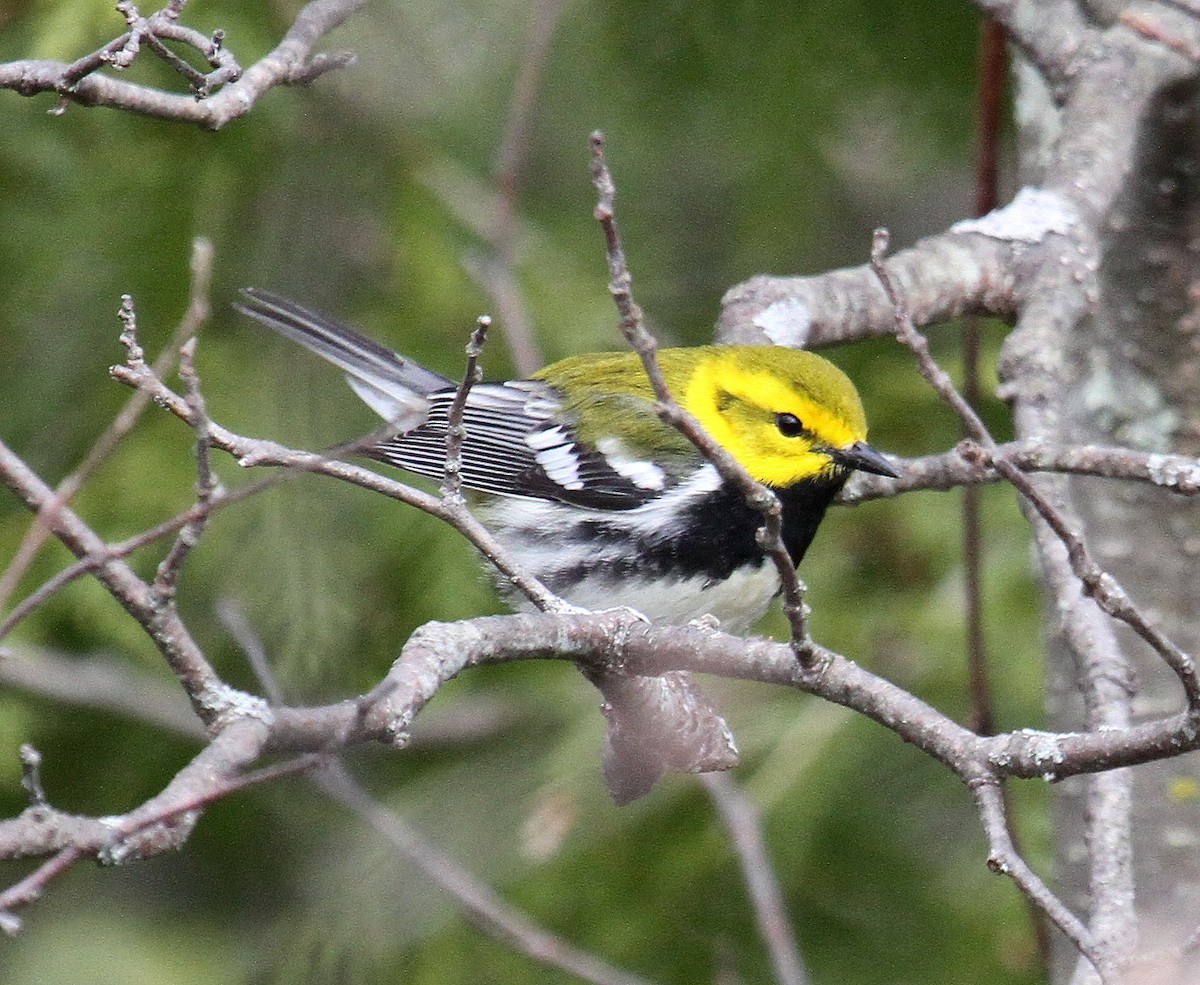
963, 465
455, 430
96, 560
209, 694
1104, 588
758, 496
160, 824
1004, 859
197, 513
478, 902
745, 830
194, 317
207, 486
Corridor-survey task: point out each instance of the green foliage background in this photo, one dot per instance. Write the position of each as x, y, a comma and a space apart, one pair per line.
746, 137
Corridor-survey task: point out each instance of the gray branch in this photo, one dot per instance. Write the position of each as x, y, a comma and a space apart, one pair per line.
292, 62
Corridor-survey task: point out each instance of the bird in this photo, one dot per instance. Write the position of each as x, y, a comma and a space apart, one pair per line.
590, 491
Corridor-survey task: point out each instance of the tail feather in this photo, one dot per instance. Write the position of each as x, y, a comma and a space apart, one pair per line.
394, 387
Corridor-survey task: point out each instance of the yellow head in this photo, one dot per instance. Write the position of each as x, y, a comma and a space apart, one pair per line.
784, 414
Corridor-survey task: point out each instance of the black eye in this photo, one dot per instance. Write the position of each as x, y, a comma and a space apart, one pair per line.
789, 425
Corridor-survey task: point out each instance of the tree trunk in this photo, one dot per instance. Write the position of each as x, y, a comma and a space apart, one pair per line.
1127, 840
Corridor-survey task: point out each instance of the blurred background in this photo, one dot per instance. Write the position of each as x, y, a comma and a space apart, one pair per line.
745, 138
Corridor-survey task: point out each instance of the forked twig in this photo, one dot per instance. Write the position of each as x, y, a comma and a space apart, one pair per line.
194, 317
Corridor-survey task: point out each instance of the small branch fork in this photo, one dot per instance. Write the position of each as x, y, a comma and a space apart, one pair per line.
646, 346
222, 94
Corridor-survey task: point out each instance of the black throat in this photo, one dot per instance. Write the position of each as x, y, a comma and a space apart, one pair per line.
731, 525
804, 508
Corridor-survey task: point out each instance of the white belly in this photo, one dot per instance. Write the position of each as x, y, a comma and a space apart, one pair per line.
738, 602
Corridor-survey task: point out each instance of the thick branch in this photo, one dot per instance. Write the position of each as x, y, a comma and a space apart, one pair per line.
1052, 34
943, 276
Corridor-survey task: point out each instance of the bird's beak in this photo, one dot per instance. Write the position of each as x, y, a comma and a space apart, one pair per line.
864, 458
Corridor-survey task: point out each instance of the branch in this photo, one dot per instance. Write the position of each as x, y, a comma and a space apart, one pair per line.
478, 903
160, 824
740, 816
609, 642
966, 464
290, 63
211, 697
1052, 34
984, 266
943, 276
1096, 583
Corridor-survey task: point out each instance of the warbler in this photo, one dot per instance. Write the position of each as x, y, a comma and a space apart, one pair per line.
589, 490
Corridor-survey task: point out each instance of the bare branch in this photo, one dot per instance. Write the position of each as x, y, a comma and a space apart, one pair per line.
741, 820
966, 465
1003, 858
942, 276
160, 824
477, 901
210, 696
616, 640
95, 560
291, 62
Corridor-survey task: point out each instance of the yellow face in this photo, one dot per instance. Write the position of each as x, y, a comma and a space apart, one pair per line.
777, 411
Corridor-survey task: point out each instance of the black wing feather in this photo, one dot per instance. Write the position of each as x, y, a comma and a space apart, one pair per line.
498, 456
